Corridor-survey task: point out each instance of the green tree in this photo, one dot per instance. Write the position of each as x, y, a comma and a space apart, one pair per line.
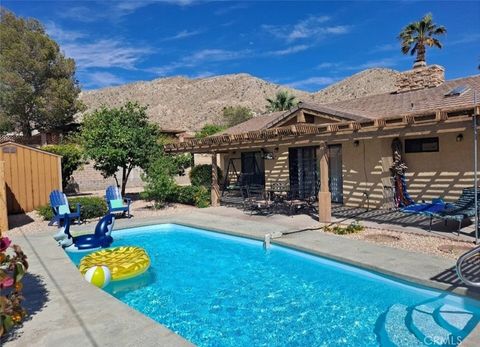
208, 130
416, 36
234, 115
283, 101
38, 88
72, 159
120, 139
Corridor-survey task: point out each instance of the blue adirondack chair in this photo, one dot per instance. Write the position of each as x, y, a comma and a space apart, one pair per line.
60, 207
115, 201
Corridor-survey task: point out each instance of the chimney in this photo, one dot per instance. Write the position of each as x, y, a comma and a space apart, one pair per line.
420, 78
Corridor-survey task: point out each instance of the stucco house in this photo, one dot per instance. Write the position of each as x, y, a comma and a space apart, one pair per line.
342, 151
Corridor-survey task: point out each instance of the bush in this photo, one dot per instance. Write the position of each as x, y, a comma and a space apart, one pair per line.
160, 184
234, 115
91, 207
201, 175
191, 195
352, 228
72, 159
208, 130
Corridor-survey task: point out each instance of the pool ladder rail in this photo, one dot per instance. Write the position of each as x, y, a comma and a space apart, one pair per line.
467, 255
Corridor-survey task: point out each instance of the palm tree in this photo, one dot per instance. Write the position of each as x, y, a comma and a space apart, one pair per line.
283, 101
416, 36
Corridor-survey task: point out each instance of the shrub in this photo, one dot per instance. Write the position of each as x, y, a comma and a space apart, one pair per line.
208, 130
201, 175
91, 207
191, 195
234, 115
72, 159
352, 228
160, 184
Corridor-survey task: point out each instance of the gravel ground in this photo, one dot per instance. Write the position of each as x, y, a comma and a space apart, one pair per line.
414, 242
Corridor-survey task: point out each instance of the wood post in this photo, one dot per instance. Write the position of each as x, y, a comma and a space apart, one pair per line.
3, 200
324, 196
215, 193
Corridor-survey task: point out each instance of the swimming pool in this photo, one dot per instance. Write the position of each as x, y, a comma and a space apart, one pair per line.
220, 290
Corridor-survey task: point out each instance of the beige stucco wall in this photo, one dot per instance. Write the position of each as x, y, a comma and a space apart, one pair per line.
442, 174
431, 175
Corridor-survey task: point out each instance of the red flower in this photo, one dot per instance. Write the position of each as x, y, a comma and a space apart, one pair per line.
4, 243
6, 282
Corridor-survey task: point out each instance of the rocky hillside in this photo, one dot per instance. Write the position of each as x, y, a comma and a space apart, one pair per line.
367, 82
182, 103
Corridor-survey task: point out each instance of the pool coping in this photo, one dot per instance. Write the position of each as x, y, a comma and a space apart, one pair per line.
317, 243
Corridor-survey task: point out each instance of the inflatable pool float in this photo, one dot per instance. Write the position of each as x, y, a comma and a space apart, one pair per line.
124, 262
101, 238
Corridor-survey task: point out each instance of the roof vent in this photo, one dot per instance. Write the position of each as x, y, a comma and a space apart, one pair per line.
457, 91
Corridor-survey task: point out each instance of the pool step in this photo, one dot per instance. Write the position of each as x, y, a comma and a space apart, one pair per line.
454, 319
392, 330
433, 324
420, 320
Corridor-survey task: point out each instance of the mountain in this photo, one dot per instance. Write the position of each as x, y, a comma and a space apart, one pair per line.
188, 104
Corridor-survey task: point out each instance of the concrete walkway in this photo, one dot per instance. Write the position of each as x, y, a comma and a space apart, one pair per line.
70, 312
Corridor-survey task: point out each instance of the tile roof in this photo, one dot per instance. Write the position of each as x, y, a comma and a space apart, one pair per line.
388, 104
377, 106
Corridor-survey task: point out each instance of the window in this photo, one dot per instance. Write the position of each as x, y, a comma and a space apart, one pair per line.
428, 144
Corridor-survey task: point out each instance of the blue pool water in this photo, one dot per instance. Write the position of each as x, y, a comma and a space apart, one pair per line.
219, 290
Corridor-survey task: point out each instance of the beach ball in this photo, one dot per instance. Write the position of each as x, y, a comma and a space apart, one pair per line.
99, 276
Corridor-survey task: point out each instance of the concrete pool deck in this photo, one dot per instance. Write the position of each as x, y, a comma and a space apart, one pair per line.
70, 312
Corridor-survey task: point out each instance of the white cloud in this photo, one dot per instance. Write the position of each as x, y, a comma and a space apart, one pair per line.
199, 58
387, 47
328, 65
289, 50
182, 35
309, 28
311, 82
105, 54
102, 79
466, 38
60, 34
108, 10
386, 62
227, 9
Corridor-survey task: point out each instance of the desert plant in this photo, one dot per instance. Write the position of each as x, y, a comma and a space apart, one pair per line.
234, 115
338, 229
72, 159
283, 101
416, 36
201, 175
91, 207
13, 265
208, 130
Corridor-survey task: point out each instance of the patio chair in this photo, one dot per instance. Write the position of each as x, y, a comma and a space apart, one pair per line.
115, 202
463, 208
60, 208
257, 200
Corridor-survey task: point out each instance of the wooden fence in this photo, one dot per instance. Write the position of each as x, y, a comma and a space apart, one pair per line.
30, 176
3, 200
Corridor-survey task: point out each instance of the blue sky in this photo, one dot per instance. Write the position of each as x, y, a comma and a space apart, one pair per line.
306, 45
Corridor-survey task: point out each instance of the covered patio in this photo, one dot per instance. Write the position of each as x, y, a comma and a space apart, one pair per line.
366, 190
